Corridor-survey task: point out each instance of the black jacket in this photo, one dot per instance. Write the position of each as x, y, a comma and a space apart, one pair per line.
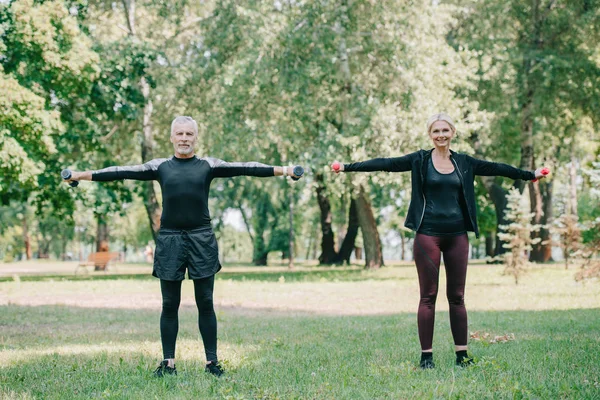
466, 166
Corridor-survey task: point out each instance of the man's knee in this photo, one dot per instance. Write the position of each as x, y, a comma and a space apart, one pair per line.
205, 303
170, 305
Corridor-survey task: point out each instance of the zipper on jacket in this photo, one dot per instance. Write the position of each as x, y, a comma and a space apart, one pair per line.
422, 194
423, 213
462, 182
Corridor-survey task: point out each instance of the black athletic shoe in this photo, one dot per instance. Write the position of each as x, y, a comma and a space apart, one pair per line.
164, 369
214, 368
463, 360
427, 363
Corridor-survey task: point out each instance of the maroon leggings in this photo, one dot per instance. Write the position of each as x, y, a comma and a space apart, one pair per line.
427, 251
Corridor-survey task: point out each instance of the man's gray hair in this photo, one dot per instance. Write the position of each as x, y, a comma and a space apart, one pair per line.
184, 120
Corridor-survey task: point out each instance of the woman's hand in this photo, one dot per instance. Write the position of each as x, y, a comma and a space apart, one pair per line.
541, 173
337, 167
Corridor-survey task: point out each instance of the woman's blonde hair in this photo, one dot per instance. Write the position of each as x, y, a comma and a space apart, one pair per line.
440, 117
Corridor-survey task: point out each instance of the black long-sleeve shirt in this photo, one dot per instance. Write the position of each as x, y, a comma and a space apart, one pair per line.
185, 183
466, 167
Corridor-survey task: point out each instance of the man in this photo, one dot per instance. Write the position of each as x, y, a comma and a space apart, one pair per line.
185, 240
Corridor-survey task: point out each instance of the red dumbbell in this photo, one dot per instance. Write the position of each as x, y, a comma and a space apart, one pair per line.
545, 171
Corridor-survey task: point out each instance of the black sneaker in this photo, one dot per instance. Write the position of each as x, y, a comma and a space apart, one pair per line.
214, 368
427, 363
164, 369
464, 361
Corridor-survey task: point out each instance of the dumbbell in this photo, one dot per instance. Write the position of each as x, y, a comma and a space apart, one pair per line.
545, 171
66, 175
298, 171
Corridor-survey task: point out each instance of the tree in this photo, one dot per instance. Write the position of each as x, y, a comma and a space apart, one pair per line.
535, 59
591, 266
333, 80
45, 62
569, 233
517, 235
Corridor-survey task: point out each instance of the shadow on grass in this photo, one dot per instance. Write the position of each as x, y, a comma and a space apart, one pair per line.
69, 352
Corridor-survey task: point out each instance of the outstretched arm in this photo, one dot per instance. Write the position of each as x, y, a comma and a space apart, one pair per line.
396, 164
488, 168
223, 169
143, 172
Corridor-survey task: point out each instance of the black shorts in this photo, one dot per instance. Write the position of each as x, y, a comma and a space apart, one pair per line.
194, 249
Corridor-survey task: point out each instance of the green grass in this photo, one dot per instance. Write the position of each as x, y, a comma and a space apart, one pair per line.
312, 334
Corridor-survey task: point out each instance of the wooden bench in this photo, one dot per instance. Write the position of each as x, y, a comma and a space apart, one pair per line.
100, 259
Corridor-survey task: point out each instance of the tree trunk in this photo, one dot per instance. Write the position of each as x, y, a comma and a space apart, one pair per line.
64, 249
368, 226
102, 238
532, 45
311, 239
245, 219
358, 253
526, 138
43, 247
348, 243
498, 195
260, 220
102, 233
547, 193
153, 209
328, 255
315, 243
26, 239
572, 203
402, 246
541, 204
489, 246
260, 257
291, 236
129, 6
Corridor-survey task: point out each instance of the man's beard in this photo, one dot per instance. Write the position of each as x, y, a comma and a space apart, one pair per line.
185, 150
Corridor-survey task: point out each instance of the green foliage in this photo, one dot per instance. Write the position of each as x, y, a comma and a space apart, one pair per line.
128, 224
588, 204
534, 61
286, 83
591, 236
26, 129
46, 66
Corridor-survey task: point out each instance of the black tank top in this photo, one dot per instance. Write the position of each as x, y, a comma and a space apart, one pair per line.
444, 204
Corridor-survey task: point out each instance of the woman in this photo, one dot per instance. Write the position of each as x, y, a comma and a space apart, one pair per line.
441, 211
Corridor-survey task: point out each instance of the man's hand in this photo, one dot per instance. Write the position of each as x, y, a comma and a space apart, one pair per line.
73, 177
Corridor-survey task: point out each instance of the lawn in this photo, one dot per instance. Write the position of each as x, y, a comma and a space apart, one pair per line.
316, 333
